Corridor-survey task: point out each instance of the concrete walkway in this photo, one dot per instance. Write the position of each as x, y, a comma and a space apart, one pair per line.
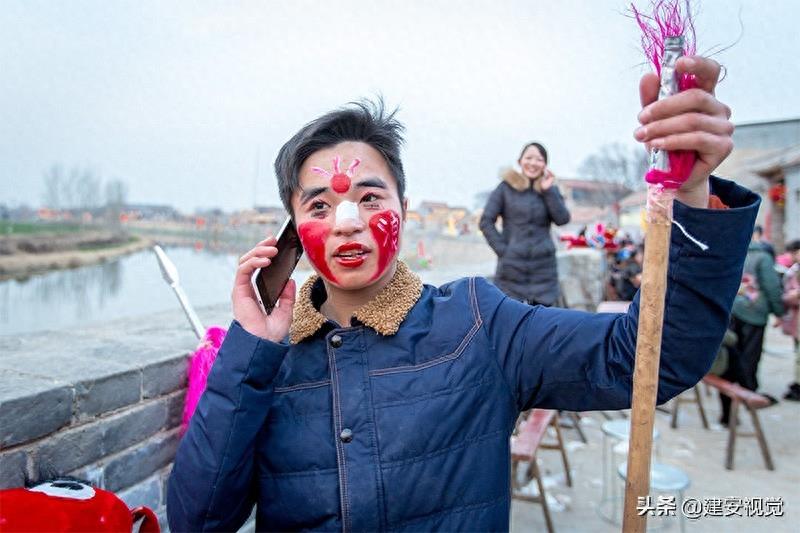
699, 452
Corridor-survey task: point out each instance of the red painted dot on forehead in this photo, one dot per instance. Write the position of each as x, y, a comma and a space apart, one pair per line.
340, 183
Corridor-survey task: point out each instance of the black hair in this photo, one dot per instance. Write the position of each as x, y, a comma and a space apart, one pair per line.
758, 229
363, 121
539, 146
793, 246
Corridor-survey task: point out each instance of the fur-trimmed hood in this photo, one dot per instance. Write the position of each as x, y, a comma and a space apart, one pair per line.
516, 180
384, 313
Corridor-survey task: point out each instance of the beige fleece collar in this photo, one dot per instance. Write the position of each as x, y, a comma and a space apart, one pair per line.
515, 179
519, 182
384, 313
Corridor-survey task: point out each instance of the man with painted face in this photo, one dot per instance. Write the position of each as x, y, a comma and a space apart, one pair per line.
381, 403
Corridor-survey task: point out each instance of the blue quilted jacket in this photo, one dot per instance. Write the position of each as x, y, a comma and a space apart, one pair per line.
401, 420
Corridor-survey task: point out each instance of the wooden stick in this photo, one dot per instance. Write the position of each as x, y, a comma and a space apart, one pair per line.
648, 354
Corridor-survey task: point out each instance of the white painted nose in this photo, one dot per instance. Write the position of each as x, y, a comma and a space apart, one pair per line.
348, 218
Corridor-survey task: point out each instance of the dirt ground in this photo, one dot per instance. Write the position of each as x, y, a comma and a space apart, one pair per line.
698, 452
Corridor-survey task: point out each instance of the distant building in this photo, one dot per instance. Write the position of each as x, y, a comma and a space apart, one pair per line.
764, 158
781, 171
261, 214
413, 220
591, 201
439, 216
150, 212
631, 213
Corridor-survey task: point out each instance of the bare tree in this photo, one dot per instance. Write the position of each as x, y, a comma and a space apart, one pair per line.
52, 187
88, 190
116, 193
116, 196
617, 163
69, 189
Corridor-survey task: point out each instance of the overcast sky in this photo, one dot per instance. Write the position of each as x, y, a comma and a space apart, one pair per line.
182, 99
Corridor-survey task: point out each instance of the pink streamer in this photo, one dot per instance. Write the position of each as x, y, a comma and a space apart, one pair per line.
669, 18
199, 367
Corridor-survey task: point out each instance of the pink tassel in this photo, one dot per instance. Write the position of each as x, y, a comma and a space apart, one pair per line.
669, 18
199, 367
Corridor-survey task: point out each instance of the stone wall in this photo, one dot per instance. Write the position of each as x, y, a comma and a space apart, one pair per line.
582, 274
102, 404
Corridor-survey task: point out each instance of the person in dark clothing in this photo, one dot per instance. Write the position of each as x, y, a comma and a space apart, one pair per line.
758, 237
529, 202
626, 275
759, 295
368, 401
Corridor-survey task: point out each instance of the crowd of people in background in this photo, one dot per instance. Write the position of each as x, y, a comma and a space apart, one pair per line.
625, 270
770, 288
790, 261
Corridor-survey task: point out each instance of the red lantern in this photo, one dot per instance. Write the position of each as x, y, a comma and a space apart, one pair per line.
777, 194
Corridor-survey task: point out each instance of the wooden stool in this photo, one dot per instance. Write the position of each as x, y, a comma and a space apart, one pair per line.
752, 402
575, 419
524, 445
698, 399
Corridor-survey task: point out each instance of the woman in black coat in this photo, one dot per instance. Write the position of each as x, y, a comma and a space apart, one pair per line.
528, 203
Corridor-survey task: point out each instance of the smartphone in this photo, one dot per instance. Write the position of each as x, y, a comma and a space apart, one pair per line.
268, 283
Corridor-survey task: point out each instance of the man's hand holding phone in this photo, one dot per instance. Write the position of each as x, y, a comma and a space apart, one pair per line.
246, 309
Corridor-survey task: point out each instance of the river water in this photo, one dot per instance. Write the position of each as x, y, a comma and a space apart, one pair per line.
132, 286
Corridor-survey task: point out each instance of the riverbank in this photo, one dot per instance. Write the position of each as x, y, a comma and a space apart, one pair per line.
23, 264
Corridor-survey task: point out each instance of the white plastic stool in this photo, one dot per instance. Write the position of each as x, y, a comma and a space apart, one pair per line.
665, 478
614, 431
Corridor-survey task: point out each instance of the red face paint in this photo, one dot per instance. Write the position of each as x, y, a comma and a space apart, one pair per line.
385, 228
340, 183
313, 235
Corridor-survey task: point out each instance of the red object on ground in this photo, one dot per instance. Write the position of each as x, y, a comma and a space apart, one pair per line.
67, 505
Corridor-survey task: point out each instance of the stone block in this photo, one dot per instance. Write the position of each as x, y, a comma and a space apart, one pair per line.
175, 403
31, 407
136, 425
95, 397
135, 464
147, 493
100, 385
164, 475
162, 520
71, 449
93, 474
85, 444
13, 469
581, 273
164, 377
